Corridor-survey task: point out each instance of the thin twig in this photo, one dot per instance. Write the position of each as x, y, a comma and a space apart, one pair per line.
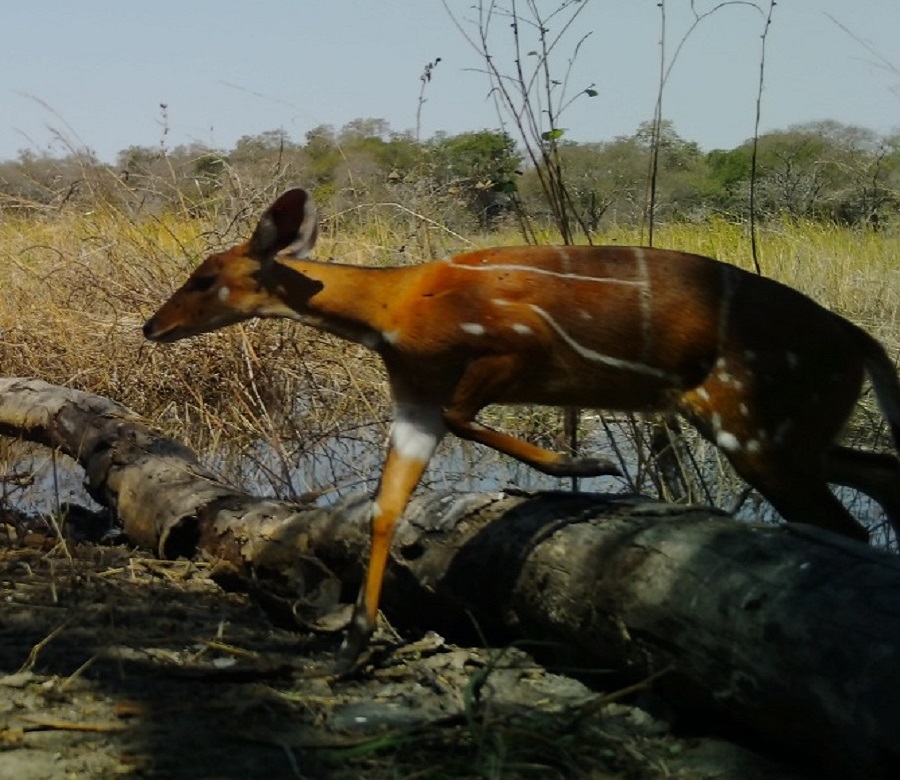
754, 250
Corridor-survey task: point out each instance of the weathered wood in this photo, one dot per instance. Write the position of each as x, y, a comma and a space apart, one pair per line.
157, 487
790, 634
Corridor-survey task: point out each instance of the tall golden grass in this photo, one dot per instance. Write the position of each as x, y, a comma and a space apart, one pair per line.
284, 409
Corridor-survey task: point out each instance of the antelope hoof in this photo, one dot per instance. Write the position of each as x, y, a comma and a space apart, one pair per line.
587, 467
358, 635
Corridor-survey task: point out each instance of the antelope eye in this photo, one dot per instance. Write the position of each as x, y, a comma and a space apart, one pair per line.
200, 283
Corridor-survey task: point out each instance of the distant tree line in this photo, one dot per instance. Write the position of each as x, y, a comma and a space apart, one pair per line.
478, 180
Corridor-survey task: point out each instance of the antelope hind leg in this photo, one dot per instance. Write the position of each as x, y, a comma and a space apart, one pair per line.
875, 474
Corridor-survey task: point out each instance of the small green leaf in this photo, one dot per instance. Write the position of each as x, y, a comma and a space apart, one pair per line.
553, 135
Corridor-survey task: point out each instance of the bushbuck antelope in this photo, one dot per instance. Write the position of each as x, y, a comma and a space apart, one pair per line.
761, 370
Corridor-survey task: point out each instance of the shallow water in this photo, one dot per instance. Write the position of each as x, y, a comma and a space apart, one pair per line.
341, 465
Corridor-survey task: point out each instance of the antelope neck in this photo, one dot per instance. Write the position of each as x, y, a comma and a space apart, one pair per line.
349, 301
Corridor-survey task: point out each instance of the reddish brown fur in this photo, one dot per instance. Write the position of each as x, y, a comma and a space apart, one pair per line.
762, 370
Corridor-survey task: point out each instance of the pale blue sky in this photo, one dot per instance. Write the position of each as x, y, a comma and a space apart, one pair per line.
95, 71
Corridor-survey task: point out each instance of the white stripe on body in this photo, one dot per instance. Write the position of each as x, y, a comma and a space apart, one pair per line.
646, 294
547, 272
597, 357
730, 282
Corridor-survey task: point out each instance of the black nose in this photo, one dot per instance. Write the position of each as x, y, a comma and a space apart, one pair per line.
147, 329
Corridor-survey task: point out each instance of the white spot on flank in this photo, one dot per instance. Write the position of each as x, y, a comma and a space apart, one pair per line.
224, 293
737, 384
728, 441
716, 422
753, 446
376, 509
472, 328
416, 431
500, 302
521, 329
585, 315
703, 393
744, 410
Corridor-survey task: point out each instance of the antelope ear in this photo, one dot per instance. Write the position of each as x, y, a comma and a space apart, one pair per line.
289, 225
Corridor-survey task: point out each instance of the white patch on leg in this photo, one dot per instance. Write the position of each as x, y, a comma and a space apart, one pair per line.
416, 431
224, 293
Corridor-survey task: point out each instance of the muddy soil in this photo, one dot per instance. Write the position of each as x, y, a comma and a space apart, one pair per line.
115, 664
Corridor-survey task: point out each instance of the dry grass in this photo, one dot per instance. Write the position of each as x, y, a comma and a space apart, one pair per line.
285, 410
852, 272
79, 287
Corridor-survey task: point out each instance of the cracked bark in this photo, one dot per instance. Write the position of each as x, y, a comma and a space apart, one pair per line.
789, 634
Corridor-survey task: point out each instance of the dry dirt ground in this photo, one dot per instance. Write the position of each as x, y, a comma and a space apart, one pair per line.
115, 664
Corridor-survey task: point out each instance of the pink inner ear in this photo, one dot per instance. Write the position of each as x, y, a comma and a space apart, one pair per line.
287, 213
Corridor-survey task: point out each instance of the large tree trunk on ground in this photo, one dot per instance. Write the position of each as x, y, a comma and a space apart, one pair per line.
790, 634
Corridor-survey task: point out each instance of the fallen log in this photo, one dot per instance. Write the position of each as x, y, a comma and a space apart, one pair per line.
790, 634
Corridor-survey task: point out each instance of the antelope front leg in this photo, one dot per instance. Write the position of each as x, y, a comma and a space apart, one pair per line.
484, 383
554, 464
415, 433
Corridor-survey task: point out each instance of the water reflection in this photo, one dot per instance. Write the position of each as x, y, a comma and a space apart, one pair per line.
350, 463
